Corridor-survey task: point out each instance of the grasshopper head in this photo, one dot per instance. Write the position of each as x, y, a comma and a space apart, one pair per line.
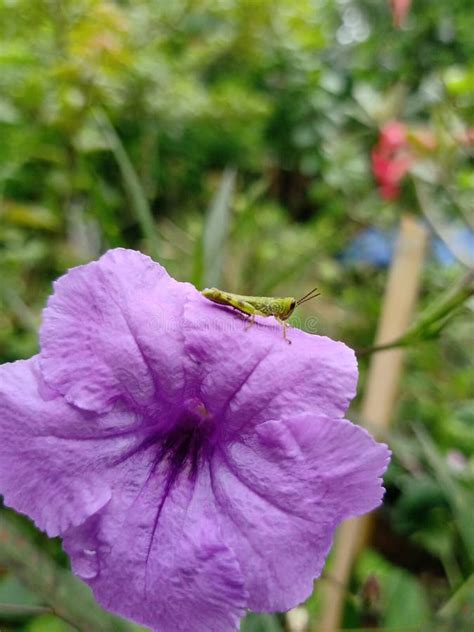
287, 307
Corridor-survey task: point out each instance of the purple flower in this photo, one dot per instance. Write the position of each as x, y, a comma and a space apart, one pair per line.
192, 468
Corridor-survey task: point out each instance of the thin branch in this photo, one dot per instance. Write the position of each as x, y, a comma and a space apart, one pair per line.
433, 319
14, 609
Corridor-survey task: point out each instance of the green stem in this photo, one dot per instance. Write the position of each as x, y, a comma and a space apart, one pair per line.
430, 322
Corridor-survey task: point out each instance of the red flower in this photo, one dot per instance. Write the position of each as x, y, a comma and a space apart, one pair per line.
391, 159
400, 10
393, 135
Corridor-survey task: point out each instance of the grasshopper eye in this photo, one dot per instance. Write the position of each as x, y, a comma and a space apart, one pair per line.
293, 304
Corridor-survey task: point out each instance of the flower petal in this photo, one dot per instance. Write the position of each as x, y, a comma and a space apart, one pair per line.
53, 479
282, 492
253, 375
160, 560
111, 332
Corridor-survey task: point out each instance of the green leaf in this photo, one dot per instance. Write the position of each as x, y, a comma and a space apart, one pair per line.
461, 500
49, 623
133, 187
216, 227
260, 623
407, 603
13, 592
403, 602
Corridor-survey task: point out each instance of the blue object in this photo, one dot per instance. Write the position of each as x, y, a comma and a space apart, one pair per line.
372, 246
463, 238
376, 247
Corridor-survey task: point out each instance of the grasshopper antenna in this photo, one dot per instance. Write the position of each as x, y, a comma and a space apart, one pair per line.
309, 296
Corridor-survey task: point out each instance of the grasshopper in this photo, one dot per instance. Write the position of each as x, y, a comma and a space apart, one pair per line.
251, 306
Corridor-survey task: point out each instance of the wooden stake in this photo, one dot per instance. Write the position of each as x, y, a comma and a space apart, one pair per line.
379, 399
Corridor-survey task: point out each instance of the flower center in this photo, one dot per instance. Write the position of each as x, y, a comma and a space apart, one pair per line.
184, 447
189, 442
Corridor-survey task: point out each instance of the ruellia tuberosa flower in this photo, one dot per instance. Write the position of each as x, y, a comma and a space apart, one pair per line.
193, 468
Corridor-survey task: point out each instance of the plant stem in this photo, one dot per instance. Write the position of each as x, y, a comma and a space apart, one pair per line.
430, 322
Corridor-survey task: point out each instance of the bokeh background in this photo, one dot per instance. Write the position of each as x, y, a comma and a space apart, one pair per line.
266, 147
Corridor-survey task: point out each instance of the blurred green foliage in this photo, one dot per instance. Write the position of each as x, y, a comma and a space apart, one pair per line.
231, 140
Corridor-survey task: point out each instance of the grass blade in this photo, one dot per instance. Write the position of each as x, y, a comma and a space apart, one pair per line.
216, 227
135, 192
